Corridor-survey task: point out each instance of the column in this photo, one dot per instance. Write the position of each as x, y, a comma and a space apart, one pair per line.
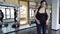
55, 14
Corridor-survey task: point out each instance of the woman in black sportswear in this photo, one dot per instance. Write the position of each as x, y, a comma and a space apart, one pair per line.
42, 17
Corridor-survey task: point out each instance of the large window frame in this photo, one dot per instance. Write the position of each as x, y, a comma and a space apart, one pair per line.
4, 10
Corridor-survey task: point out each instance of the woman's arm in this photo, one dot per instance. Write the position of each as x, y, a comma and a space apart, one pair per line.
35, 16
48, 13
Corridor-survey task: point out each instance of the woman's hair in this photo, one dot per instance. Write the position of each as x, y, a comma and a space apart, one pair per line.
14, 10
0, 10
43, 1
41, 4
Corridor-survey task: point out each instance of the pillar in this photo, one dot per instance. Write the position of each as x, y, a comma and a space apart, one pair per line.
55, 14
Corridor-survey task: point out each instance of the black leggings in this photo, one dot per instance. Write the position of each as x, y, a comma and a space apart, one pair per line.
1, 20
15, 19
43, 26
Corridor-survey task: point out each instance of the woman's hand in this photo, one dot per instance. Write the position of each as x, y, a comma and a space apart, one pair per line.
47, 22
38, 22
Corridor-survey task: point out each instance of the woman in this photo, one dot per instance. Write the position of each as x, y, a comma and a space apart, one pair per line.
15, 15
42, 17
1, 16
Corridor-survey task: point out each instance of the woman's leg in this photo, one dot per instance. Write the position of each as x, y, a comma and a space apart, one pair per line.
38, 29
15, 19
44, 28
2, 20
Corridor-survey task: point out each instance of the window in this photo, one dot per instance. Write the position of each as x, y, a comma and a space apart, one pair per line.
23, 12
12, 12
8, 13
32, 6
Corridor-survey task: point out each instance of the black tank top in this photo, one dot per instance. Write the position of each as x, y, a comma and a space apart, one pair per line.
42, 16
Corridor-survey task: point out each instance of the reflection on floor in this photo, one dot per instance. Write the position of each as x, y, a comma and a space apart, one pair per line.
56, 32
31, 30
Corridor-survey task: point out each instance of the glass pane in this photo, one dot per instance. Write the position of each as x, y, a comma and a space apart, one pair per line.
12, 12
8, 13
31, 11
32, 6
23, 13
